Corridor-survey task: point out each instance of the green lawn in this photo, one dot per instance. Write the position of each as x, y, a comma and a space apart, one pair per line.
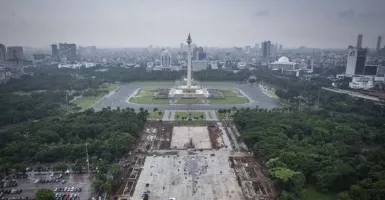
190, 123
193, 114
155, 82
145, 96
148, 100
232, 96
224, 115
155, 115
87, 102
313, 194
209, 115
189, 101
112, 87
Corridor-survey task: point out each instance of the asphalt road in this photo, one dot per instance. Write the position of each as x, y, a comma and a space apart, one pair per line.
120, 97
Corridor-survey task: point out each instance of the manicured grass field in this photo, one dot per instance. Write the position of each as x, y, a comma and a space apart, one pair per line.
112, 87
148, 100
187, 114
155, 115
87, 102
313, 194
232, 96
154, 82
189, 101
145, 96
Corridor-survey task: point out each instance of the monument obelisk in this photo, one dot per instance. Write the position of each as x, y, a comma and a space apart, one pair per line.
189, 61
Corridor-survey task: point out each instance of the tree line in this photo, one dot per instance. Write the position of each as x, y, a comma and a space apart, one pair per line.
342, 153
109, 134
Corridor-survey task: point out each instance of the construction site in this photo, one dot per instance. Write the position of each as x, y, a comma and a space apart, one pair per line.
192, 162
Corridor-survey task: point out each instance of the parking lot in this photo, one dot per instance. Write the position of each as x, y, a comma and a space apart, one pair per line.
71, 186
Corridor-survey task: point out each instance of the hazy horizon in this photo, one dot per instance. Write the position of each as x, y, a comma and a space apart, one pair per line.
216, 23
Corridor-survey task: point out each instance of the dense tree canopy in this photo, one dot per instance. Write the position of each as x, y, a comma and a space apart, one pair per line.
334, 152
45, 194
109, 135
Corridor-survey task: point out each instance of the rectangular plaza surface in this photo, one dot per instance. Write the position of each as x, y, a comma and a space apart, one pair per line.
188, 177
199, 135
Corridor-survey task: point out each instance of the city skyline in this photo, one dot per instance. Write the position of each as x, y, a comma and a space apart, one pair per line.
117, 24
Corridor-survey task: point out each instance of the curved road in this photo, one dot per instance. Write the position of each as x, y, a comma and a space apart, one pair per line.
119, 98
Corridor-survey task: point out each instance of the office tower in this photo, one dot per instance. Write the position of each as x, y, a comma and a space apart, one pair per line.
165, 58
280, 48
266, 49
257, 46
15, 53
378, 48
68, 50
356, 61
359, 41
55, 52
181, 47
3, 53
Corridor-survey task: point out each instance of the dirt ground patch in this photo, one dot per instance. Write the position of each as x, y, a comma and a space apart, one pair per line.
255, 184
155, 136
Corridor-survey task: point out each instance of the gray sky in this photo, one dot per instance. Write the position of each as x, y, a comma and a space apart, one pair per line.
222, 23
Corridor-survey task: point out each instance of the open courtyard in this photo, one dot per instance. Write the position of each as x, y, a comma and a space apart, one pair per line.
200, 162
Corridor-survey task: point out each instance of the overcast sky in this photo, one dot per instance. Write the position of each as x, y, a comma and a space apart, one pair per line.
222, 23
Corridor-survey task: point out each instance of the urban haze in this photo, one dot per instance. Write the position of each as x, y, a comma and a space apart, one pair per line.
192, 99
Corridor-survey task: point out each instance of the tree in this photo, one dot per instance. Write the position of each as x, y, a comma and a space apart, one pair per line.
160, 113
177, 116
60, 167
202, 117
155, 109
45, 194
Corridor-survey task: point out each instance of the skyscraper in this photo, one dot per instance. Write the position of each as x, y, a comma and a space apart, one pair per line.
15, 53
181, 47
68, 50
378, 48
359, 41
165, 59
356, 61
55, 52
3, 53
257, 46
266, 49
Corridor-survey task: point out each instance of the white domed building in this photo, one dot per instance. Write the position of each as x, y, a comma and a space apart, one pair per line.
283, 64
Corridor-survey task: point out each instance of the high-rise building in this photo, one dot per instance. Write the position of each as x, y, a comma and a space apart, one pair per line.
181, 47
15, 53
247, 49
256, 46
356, 61
68, 50
3, 53
359, 41
266, 49
280, 48
165, 58
55, 52
378, 48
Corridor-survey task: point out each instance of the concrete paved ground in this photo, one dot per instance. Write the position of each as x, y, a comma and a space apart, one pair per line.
188, 177
120, 97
